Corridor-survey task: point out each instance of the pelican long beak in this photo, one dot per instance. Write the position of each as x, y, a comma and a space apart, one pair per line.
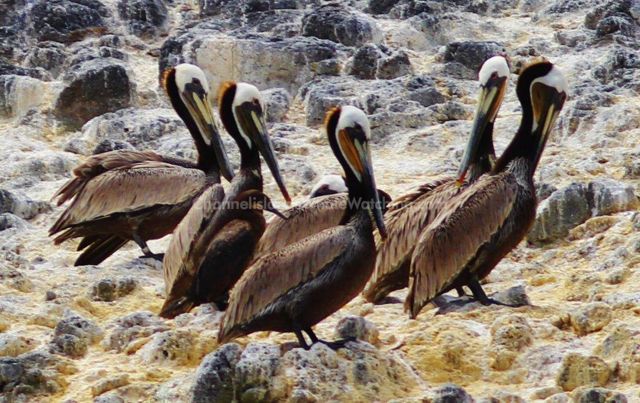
358, 155
251, 120
197, 103
489, 101
547, 103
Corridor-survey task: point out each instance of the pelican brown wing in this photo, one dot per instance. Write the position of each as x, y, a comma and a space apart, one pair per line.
271, 276
454, 238
99, 164
303, 220
404, 227
414, 194
135, 188
185, 235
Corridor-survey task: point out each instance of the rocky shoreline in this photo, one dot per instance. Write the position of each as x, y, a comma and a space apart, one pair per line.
79, 77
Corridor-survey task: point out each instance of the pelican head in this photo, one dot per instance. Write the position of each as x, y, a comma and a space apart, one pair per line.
188, 90
328, 185
494, 80
242, 112
349, 135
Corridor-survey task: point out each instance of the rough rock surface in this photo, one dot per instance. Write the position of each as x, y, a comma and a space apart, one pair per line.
79, 77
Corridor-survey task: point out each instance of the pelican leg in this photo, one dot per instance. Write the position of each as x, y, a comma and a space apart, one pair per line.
461, 292
145, 248
480, 296
334, 345
303, 343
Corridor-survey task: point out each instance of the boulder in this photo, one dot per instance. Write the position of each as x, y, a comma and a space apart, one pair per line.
230, 8
73, 335
21, 206
341, 24
364, 63
19, 94
395, 65
67, 21
277, 101
124, 333
590, 318
93, 88
33, 374
50, 56
214, 377
579, 370
144, 18
109, 289
464, 59
607, 196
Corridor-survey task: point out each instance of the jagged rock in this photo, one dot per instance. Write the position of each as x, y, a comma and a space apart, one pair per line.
9, 220
124, 333
591, 318
141, 128
621, 67
359, 328
79, 100
365, 62
607, 196
73, 335
599, 395
395, 65
228, 8
180, 347
145, 18
32, 374
84, 54
342, 25
21, 206
67, 20
19, 94
278, 101
105, 385
215, 376
471, 56
255, 370
107, 145
512, 332
564, 209
109, 289
50, 56
451, 393
615, 16
12, 345
381, 6
11, 69
579, 370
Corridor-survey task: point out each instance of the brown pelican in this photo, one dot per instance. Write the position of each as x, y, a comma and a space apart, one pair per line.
411, 213
294, 288
479, 227
214, 244
328, 185
120, 196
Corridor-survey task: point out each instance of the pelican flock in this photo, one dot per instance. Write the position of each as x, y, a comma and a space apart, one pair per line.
291, 272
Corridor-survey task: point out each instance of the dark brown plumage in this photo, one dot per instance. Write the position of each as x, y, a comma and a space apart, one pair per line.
479, 227
292, 289
140, 195
214, 243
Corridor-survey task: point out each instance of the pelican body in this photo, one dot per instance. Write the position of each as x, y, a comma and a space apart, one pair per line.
479, 227
292, 289
214, 244
122, 195
410, 214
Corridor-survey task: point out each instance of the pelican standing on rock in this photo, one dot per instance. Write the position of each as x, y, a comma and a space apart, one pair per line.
121, 195
477, 229
411, 213
214, 243
294, 288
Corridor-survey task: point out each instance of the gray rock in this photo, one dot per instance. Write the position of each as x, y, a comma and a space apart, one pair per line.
9, 220
30, 374
599, 395
470, 55
140, 128
109, 289
381, 6
145, 18
79, 100
229, 8
342, 25
607, 196
73, 334
214, 377
11, 69
621, 67
359, 328
19, 93
612, 17
50, 56
563, 210
278, 101
255, 369
395, 65
21, 206
365, 62
544, 190
67, 20
86, 53
130, 328
450, 393
107, 145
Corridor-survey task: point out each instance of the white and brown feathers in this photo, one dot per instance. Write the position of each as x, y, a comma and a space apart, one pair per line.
303, 220
450, 242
